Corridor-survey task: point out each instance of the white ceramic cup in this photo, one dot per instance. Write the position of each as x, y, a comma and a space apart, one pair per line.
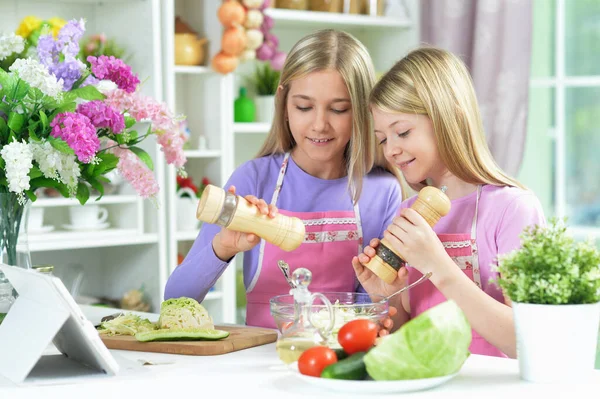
87, 215
36, 218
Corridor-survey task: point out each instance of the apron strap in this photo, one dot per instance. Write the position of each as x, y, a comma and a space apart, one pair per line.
475, 254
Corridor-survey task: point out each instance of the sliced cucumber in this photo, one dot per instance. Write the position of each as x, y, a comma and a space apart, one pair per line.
181, 334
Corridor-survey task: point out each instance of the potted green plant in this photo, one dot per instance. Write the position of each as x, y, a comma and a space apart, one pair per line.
265, 81
553, 282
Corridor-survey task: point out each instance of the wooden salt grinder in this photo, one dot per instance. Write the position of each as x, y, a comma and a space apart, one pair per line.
217, 206
431, 203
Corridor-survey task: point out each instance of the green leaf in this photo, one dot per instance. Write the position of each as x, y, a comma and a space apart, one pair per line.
3, 131
35, 172
31, 195
133, 135
44, 120
82, 79
2, 163
60, 145
109, 160
32, 134
96, 185
68, 106
19, 90
89, 93
103, 179
121, 138
83, 193
16, 121
143, 155
129, 121
62, 188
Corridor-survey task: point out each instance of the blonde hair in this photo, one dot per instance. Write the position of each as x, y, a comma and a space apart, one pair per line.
436, 83
339, 51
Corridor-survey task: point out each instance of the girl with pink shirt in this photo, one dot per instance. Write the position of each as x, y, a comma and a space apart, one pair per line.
427, 120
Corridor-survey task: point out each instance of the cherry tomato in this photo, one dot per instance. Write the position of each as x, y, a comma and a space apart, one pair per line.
313, 360
358, 335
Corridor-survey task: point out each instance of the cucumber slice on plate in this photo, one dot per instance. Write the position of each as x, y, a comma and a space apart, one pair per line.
181, 334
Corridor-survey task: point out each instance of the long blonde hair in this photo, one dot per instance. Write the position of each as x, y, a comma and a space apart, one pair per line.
436, 83
339, 51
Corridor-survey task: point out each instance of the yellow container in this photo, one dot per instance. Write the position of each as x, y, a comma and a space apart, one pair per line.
189, 49
292, 4
327, 5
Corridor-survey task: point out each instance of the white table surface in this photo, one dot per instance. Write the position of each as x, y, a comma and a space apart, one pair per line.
258, 372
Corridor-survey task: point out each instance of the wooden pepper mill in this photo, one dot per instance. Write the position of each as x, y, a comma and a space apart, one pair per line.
431, 203
217, 206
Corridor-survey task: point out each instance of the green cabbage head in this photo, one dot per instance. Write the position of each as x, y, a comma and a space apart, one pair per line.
184, 313
433, 344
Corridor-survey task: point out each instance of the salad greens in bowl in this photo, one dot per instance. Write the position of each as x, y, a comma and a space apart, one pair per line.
346, 306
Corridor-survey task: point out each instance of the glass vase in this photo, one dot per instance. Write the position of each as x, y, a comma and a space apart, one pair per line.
14, 245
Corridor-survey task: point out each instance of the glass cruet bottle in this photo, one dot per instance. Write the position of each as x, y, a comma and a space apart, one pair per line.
303, 334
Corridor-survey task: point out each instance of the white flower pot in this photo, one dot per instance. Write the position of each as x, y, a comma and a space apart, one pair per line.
556, 342
186, 211
265, 108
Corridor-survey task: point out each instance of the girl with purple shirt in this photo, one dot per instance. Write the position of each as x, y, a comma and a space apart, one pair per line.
427, 121
320, 163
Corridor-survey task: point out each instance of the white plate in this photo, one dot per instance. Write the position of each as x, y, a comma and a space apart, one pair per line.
41, 230
370, 386
100, 226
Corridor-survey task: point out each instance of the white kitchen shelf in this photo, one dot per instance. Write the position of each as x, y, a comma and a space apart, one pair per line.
251, 127
202, 153
314, 19
192, 70
106, 200
61, 240
186, 235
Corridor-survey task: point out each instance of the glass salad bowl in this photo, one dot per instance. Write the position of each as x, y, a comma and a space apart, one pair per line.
346, 306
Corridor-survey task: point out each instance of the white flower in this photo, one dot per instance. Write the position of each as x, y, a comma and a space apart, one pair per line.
106, 86
57, 165
37, 75
18, 159
10, 44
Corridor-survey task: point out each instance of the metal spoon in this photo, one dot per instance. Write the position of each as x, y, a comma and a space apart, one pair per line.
419, 281
285, 269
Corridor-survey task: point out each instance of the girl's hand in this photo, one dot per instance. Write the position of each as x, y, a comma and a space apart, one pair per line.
410, 235
388, 323
227, 243
369, 280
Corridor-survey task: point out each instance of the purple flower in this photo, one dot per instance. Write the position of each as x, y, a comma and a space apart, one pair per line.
267, 24
265, 52
69, 37
103, 115
78, 132
50, 50
47, 51
116, 70
278, 60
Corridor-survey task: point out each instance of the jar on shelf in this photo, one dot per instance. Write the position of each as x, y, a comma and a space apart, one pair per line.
327, 5
364, 7
292, 4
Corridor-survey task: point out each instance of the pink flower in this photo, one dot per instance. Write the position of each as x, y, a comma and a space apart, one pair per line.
103, 116
164, 124
135, 171
114, 69
78, 132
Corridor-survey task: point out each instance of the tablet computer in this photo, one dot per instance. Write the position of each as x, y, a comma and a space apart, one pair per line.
46, 312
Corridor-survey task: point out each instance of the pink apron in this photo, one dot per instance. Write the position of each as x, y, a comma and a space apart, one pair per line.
462, 248
332, 238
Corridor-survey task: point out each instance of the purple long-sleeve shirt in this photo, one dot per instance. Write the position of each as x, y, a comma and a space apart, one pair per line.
379, 201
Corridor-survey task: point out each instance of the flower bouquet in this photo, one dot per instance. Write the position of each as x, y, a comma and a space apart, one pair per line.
65, 125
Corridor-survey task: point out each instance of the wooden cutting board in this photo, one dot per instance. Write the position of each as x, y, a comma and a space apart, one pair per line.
240, 337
